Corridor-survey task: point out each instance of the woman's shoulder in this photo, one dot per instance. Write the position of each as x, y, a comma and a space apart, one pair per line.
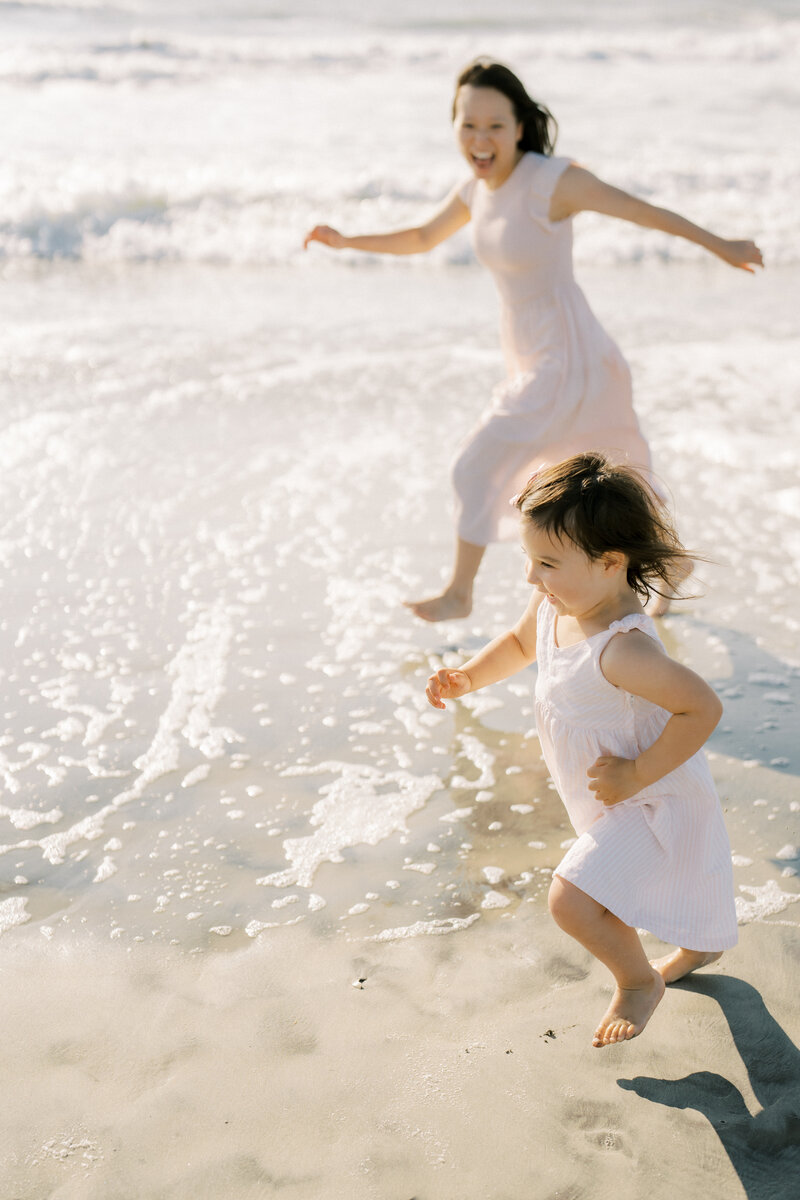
548, 165
542, 172
465, 191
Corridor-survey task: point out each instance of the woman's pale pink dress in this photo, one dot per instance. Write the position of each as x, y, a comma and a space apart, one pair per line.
568, 388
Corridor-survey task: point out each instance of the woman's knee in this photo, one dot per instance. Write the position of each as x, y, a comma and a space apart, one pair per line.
462, 471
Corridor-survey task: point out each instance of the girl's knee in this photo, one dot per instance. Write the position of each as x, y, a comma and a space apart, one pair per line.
561, 901
569, 906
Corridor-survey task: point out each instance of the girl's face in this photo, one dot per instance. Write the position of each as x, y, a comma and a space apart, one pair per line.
488, 132
573, 583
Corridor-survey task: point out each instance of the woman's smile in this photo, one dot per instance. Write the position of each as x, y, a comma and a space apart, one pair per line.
488, 133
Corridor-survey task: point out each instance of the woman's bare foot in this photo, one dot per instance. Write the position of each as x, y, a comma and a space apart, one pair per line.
659, 606
448, 606
681, 962
629, 1012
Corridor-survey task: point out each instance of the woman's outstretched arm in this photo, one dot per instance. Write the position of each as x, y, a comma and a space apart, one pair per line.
443, 224
577, 190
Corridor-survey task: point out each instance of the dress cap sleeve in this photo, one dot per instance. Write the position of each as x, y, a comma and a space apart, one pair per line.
544, 177
465, 192
634, 621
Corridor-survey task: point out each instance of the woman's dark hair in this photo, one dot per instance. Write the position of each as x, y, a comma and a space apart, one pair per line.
601, 507
539, 126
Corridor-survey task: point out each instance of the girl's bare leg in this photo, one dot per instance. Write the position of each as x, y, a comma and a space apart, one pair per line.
681, 962
639, 986
456, 599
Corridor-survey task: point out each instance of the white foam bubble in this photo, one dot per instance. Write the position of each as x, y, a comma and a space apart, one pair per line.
12, 912
433, 928
356, 809
481, 757
457, 814
28, 818
766, 902
197, 775
106, 869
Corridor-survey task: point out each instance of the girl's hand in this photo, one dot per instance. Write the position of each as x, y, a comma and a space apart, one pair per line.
741, 254
446, 685
326, 235
613, 779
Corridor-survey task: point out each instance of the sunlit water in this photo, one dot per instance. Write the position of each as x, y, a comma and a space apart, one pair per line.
225, 461
214, 706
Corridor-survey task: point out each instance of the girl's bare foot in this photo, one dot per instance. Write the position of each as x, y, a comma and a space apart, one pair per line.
681, 962
448, 606
629, 1012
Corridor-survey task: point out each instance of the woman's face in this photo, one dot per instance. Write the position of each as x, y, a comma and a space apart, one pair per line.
488, 132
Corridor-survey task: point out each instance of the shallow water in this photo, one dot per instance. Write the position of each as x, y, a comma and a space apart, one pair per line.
214, 711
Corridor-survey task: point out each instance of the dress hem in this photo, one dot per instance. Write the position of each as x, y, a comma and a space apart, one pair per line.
671, 936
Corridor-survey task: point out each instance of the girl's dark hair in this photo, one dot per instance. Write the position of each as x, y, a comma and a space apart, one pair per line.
539, 126
601, 507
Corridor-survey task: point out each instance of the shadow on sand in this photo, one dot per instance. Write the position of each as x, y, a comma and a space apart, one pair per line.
761, 695
765, 1148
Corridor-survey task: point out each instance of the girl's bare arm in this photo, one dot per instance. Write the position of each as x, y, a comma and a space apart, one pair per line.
506, 655
443, 224
634, 662
578, 190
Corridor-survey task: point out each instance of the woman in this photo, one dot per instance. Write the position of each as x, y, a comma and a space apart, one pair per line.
568, 388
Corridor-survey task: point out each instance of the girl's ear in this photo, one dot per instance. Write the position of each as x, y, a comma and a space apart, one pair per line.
615, 561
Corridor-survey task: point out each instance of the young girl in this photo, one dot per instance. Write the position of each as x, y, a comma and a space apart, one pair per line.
568, 388
621, 728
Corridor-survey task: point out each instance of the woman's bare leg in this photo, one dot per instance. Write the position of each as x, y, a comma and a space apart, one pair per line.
456, 599
617, 945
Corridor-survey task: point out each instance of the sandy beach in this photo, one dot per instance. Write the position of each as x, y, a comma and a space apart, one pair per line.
460, 1067
270, 924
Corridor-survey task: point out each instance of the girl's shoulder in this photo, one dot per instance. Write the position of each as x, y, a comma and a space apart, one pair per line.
632, 640
633, 651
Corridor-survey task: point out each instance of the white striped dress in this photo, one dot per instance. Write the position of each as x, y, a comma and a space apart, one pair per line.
661, 860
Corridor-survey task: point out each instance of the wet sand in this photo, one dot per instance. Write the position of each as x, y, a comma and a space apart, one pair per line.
433, 1067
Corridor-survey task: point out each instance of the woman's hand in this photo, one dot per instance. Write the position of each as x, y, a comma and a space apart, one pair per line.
744, 255
447, 685
613, 779
326, 235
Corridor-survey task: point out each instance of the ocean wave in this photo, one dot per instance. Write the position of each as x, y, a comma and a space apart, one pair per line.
146, 56
258, 226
